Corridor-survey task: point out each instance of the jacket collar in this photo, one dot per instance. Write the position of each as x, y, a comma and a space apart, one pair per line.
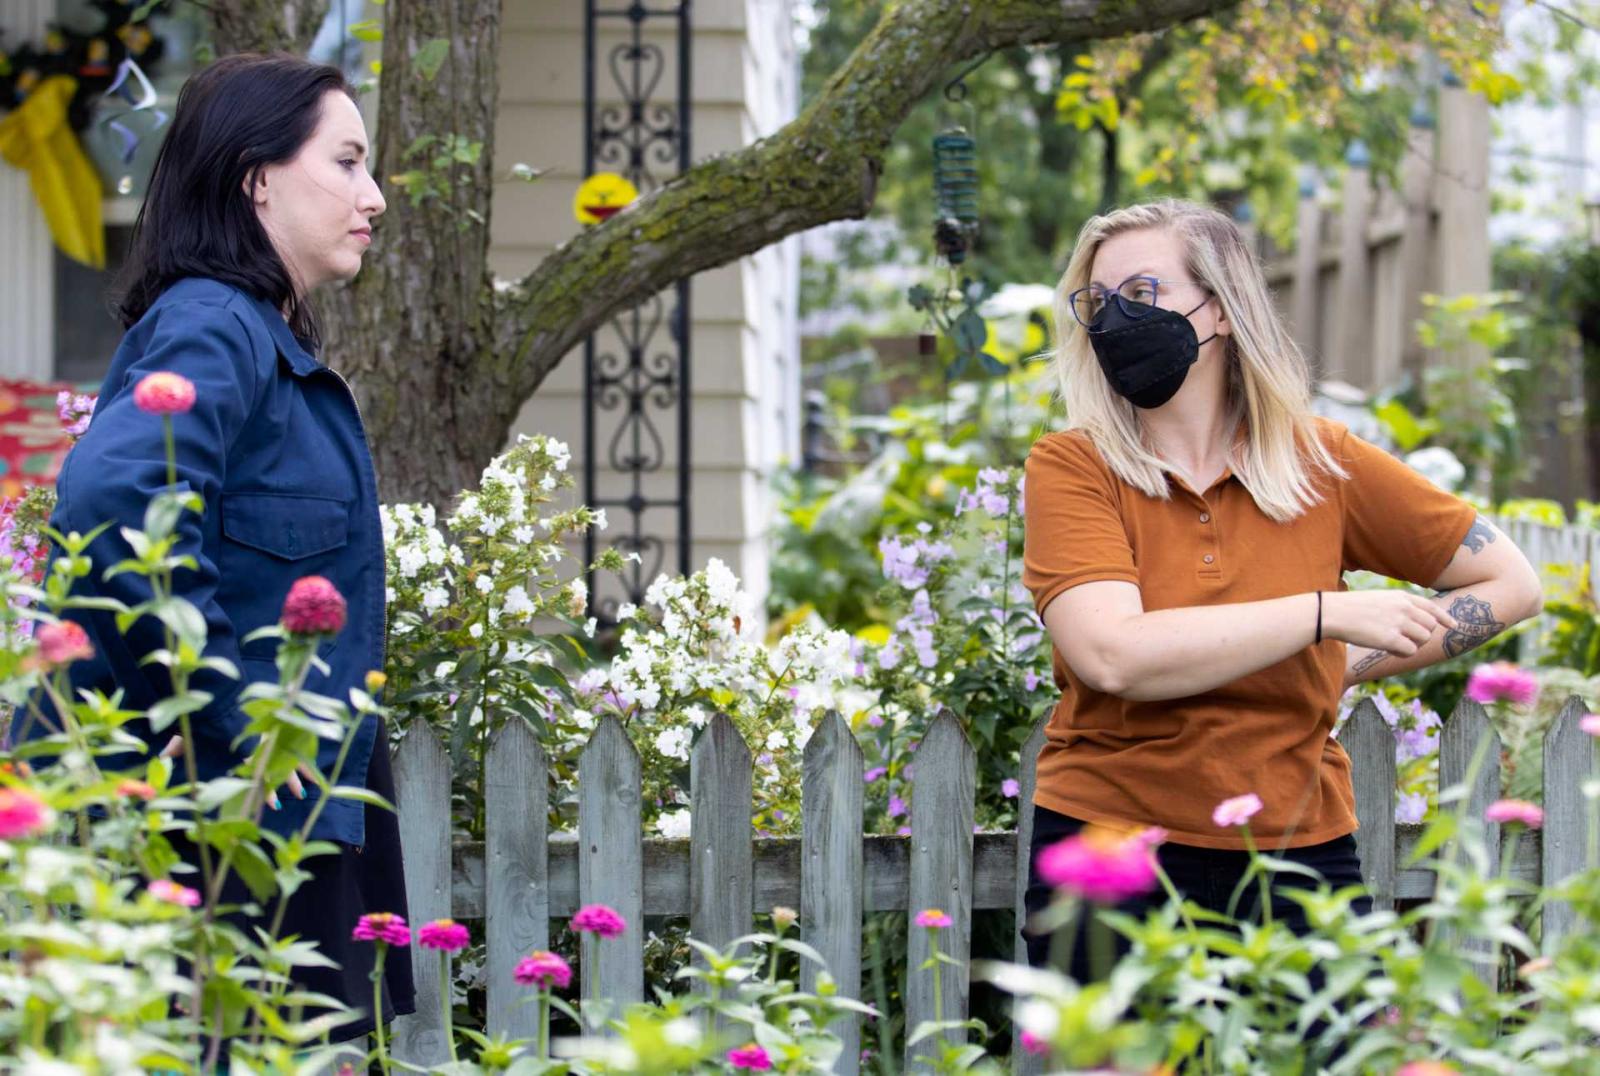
289, 346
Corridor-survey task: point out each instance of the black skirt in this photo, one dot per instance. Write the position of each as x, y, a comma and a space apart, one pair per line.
342, 888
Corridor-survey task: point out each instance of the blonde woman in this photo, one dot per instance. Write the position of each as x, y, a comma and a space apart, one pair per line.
1187, 536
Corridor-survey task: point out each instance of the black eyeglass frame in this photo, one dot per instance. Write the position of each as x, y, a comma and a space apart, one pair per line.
1131, 307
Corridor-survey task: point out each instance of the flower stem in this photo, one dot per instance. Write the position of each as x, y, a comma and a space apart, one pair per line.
444, 1002
544, 1022
377, 1005
1261, 877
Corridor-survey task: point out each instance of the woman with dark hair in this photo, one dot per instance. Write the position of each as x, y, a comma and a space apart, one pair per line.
260, 195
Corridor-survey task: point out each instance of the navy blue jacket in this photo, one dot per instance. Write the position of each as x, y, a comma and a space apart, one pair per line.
275, 446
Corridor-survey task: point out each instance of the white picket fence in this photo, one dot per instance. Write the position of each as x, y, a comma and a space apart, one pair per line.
522, 877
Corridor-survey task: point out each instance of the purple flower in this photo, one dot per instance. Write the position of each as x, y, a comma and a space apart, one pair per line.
874, 773
875, 721
1411, 807
1009, 788
1030, 680
897, 806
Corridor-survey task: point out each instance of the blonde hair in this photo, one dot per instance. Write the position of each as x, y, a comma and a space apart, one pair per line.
1268, 380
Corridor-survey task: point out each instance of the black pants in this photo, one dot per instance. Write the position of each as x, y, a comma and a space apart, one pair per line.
1208, 876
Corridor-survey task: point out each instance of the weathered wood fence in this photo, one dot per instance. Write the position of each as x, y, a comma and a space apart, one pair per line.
522, 877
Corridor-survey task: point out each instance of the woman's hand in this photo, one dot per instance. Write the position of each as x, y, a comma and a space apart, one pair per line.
1394, 621
295, 786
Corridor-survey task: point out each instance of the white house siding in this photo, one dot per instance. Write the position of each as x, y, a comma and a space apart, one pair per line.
744, 341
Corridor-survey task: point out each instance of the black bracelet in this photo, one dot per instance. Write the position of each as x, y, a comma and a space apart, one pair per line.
1319, 617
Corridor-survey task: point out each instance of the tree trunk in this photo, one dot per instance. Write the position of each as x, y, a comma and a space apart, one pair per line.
414, 332
442, 360
265, 25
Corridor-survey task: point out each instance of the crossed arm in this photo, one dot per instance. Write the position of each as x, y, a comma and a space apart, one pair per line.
1114, 646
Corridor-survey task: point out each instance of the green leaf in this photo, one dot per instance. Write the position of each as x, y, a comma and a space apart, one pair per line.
430, 57
220, 790
367, 30
361, 795
167, 711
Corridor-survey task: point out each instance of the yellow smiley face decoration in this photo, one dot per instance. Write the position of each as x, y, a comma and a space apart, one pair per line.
602, 196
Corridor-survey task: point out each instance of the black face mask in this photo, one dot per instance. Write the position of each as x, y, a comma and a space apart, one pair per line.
1147, 357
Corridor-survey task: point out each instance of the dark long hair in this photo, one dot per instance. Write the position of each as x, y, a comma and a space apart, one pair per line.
241, 113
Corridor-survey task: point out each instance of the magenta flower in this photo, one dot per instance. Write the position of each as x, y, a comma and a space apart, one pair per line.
933, 919
1033, 1044
165, 889
1502, 681
1102, 864
1009, 788
164, 393
1590, 723
874, 773
751, 1057
446, 935
543, 969
383, 927
314, 607
64, 642
1236, 811
22, 814
599, 919
1522, 811
897, 806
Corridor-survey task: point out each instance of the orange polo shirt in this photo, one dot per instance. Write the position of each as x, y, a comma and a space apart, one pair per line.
1169, 763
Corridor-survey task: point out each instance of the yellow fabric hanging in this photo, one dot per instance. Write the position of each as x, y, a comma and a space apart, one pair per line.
37, 138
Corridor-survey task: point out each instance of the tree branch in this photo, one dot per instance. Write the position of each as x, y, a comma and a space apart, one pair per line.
823, 166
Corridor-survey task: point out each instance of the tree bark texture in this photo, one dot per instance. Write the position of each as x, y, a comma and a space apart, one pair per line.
442, 360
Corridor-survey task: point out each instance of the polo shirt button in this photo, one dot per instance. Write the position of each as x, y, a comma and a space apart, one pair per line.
1205, 517
1208, 558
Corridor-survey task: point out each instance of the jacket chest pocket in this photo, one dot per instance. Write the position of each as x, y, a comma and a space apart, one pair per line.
286, 526
269, 541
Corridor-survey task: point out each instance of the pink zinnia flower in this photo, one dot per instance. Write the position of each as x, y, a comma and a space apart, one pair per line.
1237, 811
543, 969
932, 918
135, 789
1033, 1044
1426, 1068
1528, 814
1590, 723
164, 393
1102, 864
383, 927
599, 919
167, 890
22, 814
314, 607
443, 934
1502, 681
750, 1057
64, 642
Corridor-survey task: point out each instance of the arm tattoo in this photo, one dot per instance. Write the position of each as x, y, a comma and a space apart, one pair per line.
1366, 664
1475, 625
1479, 535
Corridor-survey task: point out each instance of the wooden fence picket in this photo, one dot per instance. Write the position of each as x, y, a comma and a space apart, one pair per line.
721, 865
1468, 739
942, 790
516, 872
422, 786
1024, 1063
611, 859
833, 798
1370, 743
1564, 850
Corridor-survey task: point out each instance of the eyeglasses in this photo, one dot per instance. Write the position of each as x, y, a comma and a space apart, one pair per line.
1136, 296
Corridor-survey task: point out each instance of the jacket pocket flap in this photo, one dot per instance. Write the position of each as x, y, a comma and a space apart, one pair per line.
285, 525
